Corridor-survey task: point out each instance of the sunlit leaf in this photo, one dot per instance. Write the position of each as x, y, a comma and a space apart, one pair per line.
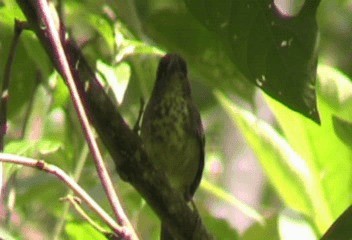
220, 228
21, 147
325, 153
296, 181
116, 77
5, 234
335, 89
283, 166
267, 231
293, 226
104, 28
77, 231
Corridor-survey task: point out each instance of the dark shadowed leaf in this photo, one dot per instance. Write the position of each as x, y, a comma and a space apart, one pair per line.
276, 52
341, 228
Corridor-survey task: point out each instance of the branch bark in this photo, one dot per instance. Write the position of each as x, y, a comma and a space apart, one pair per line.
44, 12
60, 174
124, 146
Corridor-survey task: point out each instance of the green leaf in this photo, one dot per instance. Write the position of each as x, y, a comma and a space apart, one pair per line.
343, 130
33, 148
10, 11
220, 228
282, 165
267, 231
274, 51
46, 146
293, 226
35, 191
286, 225
117, 78
292, 176
104, 28
327, 156
37, 54
61, 93
22, 78
83, 231
20, 147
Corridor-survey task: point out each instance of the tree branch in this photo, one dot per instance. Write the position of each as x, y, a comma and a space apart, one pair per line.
60, 174
124, 146
44, 13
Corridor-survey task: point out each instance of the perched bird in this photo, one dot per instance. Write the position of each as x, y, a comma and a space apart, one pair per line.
172, 130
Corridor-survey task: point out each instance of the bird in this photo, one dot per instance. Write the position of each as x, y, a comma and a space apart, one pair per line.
172, 131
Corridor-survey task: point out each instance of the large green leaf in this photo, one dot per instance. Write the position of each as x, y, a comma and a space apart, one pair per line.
285, 225
282, 164
294, 226
324, 152
275, 51
296, 181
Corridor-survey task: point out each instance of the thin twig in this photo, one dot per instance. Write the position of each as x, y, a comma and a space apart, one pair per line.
18, 27
76, 175
60, 174
76, 202
58, 51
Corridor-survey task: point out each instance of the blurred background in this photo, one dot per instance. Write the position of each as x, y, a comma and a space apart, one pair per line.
241, 196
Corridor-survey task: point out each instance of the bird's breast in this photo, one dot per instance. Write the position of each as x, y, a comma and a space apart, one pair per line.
170, 118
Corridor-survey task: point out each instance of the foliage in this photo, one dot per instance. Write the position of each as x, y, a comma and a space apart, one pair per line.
226, 43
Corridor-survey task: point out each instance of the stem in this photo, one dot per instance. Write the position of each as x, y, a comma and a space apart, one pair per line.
61, 175
79, 167
76, 204
64, 69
